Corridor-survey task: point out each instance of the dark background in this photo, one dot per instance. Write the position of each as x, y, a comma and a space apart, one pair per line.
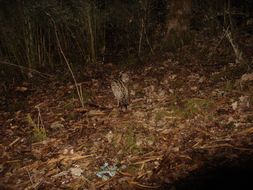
108, 30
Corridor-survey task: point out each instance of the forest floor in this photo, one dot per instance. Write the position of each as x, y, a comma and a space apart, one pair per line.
184, 114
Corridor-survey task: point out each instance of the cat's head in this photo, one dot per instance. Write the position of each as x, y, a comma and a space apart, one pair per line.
124, 77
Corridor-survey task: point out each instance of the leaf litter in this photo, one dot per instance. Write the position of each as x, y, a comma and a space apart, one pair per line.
173, 127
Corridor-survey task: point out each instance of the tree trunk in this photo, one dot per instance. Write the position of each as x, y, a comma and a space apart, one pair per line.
178, 21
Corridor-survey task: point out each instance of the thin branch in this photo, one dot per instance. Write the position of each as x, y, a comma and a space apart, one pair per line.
223, 36
44, 75
65, 58
30, 178
151, 49
140, 40
237, 51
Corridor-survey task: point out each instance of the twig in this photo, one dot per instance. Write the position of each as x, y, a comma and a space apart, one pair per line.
65, 59
237, 51
101, 184
125, 174
245, 132
140, 40
40, 121
92, 39
14, 142
33, 185
44, 75
72, 158
147, 160
143, 174
12, 161
223, 36
151, 49
144, 186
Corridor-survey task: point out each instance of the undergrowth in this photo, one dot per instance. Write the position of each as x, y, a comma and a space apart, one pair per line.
39, 132
192, 107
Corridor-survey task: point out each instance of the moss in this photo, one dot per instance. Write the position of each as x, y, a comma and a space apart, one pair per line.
192, 107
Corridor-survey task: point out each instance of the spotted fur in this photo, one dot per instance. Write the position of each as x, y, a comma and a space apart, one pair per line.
120, 92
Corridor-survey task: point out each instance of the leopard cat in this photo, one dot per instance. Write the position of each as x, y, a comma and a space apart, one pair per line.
120, 91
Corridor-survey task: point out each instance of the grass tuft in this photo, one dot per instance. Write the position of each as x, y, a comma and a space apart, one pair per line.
39, 132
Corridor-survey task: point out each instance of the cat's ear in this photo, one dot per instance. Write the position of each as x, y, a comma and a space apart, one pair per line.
124, 77
120, 74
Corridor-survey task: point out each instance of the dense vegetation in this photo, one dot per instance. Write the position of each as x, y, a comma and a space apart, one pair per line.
94, 31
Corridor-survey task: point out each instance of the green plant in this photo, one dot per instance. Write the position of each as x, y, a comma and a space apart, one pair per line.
39, 132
